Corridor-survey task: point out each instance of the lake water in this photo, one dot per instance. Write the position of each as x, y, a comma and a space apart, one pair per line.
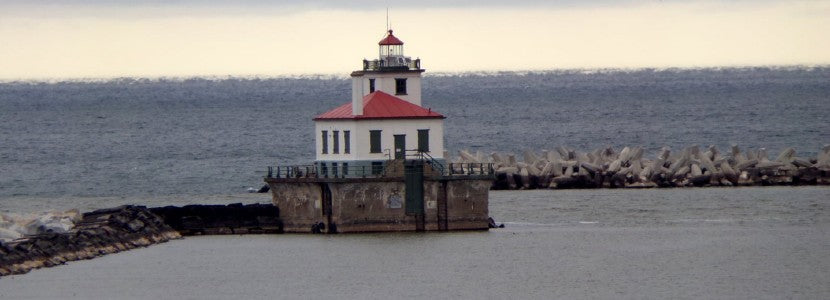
138, 137
99, 144
744, 243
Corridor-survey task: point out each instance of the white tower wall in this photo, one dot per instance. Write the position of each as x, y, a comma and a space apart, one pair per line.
385, 81
357, 95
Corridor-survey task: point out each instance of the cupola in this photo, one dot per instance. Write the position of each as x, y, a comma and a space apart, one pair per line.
390, 46
390, 56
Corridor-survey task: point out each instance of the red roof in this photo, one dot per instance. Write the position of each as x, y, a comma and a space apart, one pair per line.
390, 40
380, 105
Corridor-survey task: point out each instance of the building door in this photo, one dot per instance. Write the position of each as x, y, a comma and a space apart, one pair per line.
400, 146
414, 185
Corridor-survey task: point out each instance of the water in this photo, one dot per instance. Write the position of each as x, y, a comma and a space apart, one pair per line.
99, 144
745, 243
134, 137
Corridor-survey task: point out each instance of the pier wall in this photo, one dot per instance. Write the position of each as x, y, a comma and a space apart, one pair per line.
379, 204
302, 201
373, 206
467, 204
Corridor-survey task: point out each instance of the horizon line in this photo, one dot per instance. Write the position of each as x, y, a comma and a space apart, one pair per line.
480, 72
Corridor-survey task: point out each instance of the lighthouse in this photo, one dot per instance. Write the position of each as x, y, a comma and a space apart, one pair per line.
384, 121
379, 161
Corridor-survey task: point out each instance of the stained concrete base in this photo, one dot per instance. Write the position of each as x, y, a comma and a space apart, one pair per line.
379, 204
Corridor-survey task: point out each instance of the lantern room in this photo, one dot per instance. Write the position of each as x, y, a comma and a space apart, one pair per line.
390, 46
390, 56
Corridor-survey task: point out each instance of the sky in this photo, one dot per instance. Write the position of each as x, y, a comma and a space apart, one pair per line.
42, 39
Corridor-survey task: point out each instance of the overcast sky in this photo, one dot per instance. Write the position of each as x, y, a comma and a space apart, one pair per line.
110, 38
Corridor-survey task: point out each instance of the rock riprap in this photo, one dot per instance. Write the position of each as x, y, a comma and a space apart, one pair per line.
98, 233
122, 228
608, 168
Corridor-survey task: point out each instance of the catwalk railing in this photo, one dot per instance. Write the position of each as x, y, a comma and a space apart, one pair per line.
378, 171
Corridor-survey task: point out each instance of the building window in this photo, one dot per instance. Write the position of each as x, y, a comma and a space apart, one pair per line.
374, 141
347, 141
377, 167
335, 135
334, 169
423, 140
325, 139
371, 85
345, 168
323, 170
400, 86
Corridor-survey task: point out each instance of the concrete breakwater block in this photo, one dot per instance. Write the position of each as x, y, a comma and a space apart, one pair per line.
222, 219
98, 233
564, 168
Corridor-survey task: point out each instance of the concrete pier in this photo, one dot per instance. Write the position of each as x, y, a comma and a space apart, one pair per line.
401, 198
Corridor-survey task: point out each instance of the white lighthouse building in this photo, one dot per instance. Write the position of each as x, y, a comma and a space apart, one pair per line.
384, 120
380, 162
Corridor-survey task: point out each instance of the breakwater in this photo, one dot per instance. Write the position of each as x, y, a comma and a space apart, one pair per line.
629, 168
122, 228
98, 233
221, 219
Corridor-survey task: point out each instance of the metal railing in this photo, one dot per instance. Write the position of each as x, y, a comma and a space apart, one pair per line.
418, 154
312, 171
380, 170
379, 64
302, 171
471, 169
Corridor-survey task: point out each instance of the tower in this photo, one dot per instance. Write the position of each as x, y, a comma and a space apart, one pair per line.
392, 73
379, 161
384, 119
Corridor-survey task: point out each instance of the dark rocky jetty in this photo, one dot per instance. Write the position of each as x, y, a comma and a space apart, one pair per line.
564, 168
222, 219
122, 228
98, 233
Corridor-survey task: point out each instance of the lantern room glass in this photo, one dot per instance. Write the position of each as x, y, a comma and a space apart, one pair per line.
391, 50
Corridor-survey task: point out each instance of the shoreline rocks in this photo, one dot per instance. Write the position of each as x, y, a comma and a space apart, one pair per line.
564, 168
14, 226
98, 233
112, 230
